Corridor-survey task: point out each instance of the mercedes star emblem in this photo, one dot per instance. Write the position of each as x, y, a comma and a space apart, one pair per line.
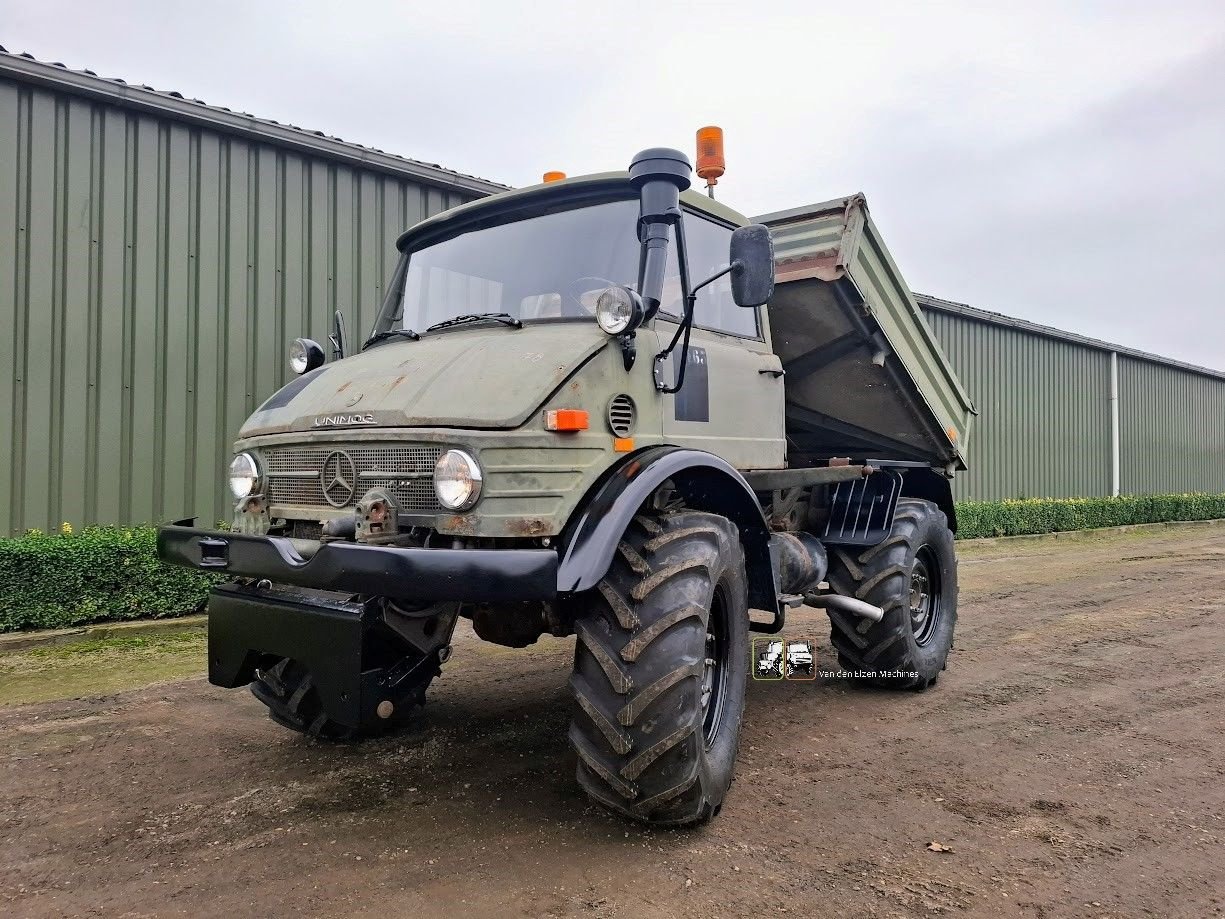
338, 478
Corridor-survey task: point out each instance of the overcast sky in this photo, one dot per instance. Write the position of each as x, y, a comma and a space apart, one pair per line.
1064, 163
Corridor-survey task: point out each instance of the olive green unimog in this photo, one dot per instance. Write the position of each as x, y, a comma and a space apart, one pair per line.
608, 407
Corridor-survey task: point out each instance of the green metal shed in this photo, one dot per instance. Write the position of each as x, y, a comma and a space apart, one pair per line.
1062, 415
156, 256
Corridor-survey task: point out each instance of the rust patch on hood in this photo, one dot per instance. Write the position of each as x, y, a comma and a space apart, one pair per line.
460, 525
528, 526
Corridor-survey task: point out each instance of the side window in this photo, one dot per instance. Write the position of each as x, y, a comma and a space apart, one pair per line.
708, 244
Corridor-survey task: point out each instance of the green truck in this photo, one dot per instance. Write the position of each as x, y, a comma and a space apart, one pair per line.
610, 407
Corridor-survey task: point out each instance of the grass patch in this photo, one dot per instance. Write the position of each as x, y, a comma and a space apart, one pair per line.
94, 646
100, 666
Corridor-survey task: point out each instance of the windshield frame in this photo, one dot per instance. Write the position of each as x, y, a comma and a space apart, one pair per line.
524, 204
513, 209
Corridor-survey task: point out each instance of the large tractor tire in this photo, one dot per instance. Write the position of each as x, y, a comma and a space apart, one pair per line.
659, 671
912, 576
286, 688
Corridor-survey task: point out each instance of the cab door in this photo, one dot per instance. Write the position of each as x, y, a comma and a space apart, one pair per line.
731, 400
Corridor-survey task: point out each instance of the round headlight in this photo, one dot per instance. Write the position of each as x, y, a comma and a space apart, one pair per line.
305, 355
457, 480
618, 310
243, 475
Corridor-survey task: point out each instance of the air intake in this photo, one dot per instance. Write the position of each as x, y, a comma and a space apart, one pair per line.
621, 415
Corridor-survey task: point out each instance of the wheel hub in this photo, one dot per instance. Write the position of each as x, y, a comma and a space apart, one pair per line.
713, 670
924, 596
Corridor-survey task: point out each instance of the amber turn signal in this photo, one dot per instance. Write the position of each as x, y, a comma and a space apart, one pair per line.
565, 419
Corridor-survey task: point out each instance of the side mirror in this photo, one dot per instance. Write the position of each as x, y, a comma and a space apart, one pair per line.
752, 258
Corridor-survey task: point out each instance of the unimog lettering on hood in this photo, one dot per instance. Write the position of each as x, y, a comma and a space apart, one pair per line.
331, 421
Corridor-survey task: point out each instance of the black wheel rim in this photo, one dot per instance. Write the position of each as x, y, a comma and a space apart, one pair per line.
714, 685
925, 593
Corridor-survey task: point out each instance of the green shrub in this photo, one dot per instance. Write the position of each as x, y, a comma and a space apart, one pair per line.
1024, 516
55, 580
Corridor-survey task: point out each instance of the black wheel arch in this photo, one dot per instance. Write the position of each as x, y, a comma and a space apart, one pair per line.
931, 486
705, 481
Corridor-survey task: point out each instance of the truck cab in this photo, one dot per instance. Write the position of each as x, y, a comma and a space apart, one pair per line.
480, 349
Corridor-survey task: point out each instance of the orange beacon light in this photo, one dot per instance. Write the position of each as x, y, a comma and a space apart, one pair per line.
711, 163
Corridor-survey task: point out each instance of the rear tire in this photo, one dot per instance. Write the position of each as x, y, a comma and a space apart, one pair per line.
659, 671
912, 576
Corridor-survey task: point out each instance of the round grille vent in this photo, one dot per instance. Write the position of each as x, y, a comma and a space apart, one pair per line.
621, 415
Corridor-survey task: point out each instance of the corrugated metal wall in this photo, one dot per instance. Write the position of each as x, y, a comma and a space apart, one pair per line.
1044, 430
154, 265
151, 275
1171, 429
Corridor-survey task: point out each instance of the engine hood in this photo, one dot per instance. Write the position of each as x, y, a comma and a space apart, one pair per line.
479, 377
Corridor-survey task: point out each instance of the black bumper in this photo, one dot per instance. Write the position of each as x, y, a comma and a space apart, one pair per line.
426, 575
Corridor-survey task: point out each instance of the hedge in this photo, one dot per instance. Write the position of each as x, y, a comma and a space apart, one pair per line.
56, 580
1025, 516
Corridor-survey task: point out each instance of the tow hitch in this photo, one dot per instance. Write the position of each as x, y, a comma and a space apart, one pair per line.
365, 660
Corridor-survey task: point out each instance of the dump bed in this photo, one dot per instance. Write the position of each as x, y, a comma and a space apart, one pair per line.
865, 376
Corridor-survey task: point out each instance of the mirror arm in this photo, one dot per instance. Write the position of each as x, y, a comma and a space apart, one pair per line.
691, 298
720, 273
684, 328
338, 336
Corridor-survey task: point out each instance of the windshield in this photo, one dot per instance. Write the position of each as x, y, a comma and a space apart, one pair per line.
550, 266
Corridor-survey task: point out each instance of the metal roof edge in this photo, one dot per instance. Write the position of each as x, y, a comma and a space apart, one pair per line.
1024, 325
25, 69
811, 210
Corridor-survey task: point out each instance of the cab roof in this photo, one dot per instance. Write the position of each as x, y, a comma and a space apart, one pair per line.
596, 185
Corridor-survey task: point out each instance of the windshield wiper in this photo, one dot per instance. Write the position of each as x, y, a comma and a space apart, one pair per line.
504, 318
390, 333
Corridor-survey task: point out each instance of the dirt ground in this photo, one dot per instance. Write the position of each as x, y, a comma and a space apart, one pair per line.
1072, 759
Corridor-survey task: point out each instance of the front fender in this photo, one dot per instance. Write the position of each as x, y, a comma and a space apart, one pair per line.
705, 481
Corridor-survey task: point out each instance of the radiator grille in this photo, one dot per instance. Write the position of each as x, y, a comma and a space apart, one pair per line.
295, 475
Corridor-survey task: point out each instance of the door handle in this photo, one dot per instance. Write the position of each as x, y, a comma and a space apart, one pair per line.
774, 373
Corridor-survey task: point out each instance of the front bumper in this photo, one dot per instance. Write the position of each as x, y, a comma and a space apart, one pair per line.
425, 575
